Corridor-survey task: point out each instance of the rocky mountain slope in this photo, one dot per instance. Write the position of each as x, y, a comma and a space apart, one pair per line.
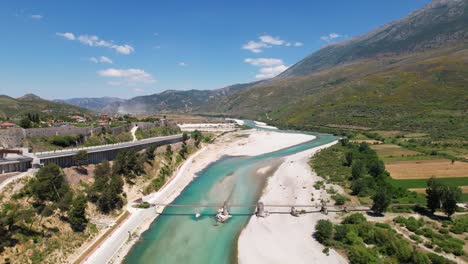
95, 104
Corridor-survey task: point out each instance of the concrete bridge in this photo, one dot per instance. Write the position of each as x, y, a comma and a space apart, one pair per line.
64, 158
97, 154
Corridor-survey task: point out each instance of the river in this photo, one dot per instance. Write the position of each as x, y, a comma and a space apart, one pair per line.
177, 236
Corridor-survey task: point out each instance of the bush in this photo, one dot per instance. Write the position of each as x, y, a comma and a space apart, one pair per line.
416, 238
339, 199
324, 232
443, 231
362, 255
64, 141
356, 218
436, 259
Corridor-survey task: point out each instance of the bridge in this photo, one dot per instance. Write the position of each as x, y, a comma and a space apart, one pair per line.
97, 154
22, 160
260, 207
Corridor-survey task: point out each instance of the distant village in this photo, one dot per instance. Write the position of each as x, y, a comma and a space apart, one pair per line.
46, 119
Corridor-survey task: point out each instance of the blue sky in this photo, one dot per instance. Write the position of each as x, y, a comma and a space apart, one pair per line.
64, 49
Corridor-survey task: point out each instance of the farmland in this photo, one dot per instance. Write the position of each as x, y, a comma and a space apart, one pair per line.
424, 169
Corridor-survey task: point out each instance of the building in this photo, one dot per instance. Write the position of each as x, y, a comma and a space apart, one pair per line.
78, 119
103, 122
7, 125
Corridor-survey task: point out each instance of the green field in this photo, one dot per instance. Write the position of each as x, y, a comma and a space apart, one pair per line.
421, 183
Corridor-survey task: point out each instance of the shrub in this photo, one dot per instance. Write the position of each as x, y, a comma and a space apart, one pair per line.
359, 254
443, 231
356, 218
324, 232
339, 199
415, 238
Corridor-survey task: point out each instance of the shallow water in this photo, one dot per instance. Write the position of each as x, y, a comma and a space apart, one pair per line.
176, 236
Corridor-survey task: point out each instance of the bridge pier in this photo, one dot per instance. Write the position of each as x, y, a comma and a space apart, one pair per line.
261, 210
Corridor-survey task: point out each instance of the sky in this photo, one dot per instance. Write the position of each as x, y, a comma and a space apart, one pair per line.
120, 48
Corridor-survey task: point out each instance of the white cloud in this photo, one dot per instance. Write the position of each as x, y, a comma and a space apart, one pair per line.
37, 17
183, 64
102, 59
128, 76
139, 90
123, 49
330, 37
67, 35
255, 47
272, 40
264, 61
270, 67
95, 41
270, 72
267, 41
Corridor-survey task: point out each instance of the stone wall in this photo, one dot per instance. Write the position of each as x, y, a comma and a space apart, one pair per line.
11, 137
61, 131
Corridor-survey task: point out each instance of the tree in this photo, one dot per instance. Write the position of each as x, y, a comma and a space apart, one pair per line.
102, 174
381, 201
150, 152
357, 170
77, 214
183, 150
349, 158
169, 152
376, 168
434, 193
184, 137
49, 183
450, 197
25, 123
80, 158
197, 137
324, 232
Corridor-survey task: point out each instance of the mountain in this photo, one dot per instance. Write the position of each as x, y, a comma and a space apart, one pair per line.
95, 104
30, 103
410, 74
437, 24
191, 101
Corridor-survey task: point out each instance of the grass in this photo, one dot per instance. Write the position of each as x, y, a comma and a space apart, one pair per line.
387, 150
422, 183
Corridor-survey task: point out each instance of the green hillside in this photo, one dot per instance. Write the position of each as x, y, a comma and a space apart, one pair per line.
420, 92
410, 74
15, 107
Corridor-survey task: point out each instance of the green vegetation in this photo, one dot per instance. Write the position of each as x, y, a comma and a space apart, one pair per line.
107, 188
157, 132
81, 158
33, 105
441, 240
441, 196
422, 183
358, 168
365, 242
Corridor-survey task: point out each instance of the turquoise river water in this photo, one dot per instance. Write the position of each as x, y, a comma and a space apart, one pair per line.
176, 236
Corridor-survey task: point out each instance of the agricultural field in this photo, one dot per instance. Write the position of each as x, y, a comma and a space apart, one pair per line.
425, 169
420, 185
390, 152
